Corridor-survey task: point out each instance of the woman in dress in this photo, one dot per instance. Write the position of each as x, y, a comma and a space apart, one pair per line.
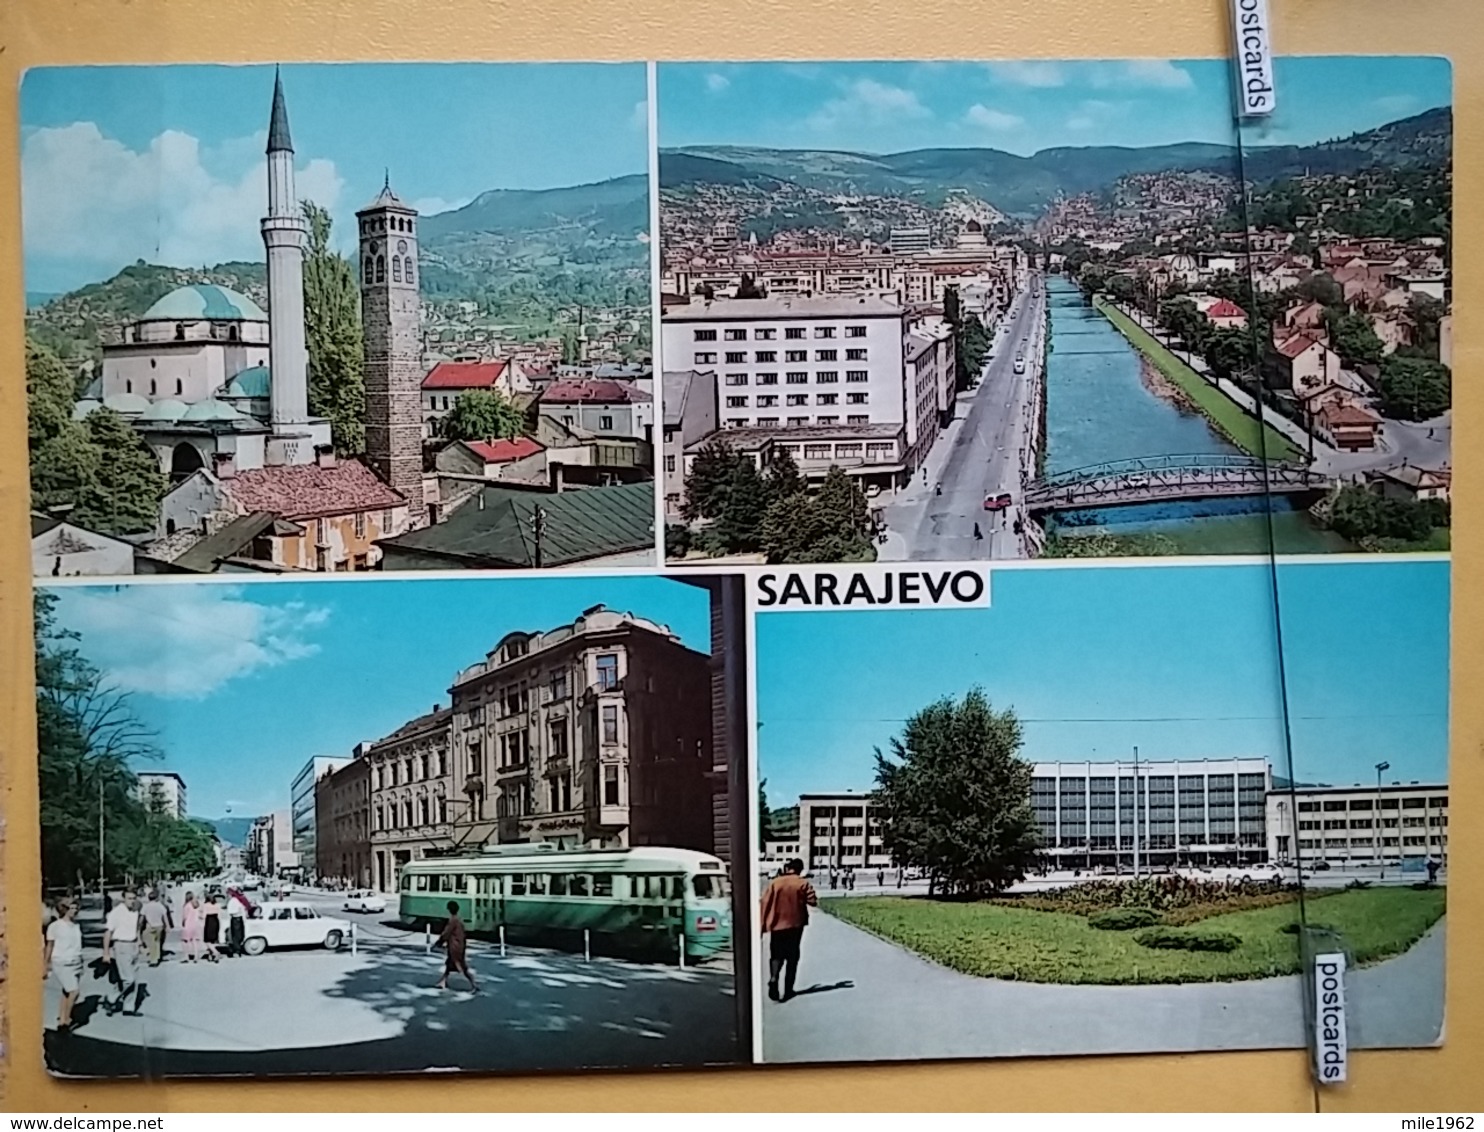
211, 927
190, 928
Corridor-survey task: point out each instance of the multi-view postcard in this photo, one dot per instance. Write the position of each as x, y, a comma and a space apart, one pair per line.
650, 639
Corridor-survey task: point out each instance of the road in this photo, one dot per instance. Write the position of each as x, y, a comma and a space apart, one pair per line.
377, 1010
984, 451
864, 999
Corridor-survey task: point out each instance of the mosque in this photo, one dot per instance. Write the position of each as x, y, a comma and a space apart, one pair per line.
219, 389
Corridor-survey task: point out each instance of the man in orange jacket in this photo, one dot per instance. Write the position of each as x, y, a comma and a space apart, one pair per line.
786, 905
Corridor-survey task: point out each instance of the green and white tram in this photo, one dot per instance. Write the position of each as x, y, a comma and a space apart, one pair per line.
646, 898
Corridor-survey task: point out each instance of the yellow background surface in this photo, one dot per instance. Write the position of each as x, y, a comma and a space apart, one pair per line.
34, 32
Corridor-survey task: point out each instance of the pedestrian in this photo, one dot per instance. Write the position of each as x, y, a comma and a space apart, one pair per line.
237, 909
190, 928
978, 534
900, 878
785, 913
211, 926
455, 939
1432, 871
121, 936
157, 921
63, 958
880, 878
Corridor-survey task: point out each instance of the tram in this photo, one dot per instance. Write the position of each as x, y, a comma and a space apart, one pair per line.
647, 898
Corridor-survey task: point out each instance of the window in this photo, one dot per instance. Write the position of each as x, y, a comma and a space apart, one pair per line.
798, 377
881, 453
736, 379
736, 422
736, 357
705, 358
767, 402
767, 379
153, 387
736, 402
816, 451
177, 386
765, 356
766, 422
360, 524
825, 355
793, 332
669, 463
796, 421
827, 377
396, 269
736, 335
610, 723
824, 332
705, 336
798, 398
796, 355
826, 398
847, 451
381, 269
605, 422
857, 375
556, 739
556, 680
855, 355
858, 418
828, 420
608, 670
386, 521
765, 335
610, 785
855, 332
856, 398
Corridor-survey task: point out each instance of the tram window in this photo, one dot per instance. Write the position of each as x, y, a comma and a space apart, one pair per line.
603, 885
577, 885
445, 882
559, 885
518, 884
710, 887
536, 882
420, 883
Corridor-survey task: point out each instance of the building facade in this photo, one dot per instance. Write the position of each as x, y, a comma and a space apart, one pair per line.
690, 416
302, 806
593, 734
410, 790
1171, 812
1339, 824
270, 845
162, 792
839, 832
342, 820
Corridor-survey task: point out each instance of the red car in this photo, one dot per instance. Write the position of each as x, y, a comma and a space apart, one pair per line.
1000, 502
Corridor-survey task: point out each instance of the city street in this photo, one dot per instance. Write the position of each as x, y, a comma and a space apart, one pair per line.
984, 451
377, 1010
864, 999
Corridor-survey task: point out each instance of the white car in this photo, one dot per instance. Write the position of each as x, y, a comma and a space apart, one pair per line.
292, 923
364, 902
1019, 365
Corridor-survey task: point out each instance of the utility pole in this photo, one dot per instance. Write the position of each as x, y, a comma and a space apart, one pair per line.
1136, 813
1380, 840
538, 525
100, 838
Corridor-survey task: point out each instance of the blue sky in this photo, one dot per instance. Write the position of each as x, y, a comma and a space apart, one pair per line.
244, 683
1180, 661
1027, 106
120, 163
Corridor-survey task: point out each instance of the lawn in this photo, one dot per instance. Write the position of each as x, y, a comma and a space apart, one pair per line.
995, 940
1228, 417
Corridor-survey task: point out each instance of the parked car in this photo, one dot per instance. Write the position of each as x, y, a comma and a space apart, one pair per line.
1000, 502
364, 902
292, 923
1019, 365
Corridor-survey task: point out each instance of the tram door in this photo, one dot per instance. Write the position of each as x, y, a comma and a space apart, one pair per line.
489, 911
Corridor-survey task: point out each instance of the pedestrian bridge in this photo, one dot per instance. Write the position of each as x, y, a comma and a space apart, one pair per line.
1159, 479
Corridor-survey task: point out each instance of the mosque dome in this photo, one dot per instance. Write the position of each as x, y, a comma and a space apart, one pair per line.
126, 404
205, 301
205, 411
251, 382
168, 409
84, 407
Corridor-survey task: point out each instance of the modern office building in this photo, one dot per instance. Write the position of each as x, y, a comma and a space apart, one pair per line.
162, 792
1338, 824
301, 804
840, 831
1169, 812
594, 734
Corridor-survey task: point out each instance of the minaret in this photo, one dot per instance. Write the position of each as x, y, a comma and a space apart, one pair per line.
393, 372
284, 232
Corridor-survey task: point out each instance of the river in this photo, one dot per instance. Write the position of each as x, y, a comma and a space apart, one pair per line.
1098, 410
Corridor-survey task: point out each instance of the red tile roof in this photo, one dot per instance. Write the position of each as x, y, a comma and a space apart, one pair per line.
1339, 414
308, 491
1293, 346
1225, 308
503, 451
465, 375
597, 390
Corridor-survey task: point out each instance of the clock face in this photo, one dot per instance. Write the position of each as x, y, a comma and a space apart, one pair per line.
373, 247
402, 247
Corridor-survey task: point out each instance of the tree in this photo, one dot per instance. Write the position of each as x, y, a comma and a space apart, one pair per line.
1123, 288
332, 333
954, 797
483, 414
783, 476
63, 461
124, 497
831, 525
740, 524
1352, 337
1414, 389
748, 289
708, 481
571, 348
1359, 514
1228, 351
1427, 315
764, 816
1321, 288
952, 308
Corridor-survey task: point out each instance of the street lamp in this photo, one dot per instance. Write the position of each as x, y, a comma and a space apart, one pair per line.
1380, 840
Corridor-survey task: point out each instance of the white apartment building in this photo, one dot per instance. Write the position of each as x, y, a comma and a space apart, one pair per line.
162, 792
840, 831
1171, 812
1338, 824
